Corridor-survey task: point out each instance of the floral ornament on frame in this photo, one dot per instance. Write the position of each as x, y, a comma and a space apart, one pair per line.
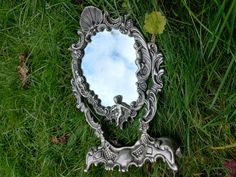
148, 61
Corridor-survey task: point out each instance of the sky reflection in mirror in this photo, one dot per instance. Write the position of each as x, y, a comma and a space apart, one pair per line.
109, 67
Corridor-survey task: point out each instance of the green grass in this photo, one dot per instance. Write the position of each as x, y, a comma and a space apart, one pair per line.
197, 106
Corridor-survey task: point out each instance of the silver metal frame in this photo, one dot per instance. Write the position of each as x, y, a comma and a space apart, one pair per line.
148, 61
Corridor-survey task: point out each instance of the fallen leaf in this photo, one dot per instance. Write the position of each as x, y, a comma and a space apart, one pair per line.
62, 139
231, 166
23, 69
54, 140
155, 23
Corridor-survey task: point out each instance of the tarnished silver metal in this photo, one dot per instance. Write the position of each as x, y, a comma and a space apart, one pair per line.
148, 61
93, 21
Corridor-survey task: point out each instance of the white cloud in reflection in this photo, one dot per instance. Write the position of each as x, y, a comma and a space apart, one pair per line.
109, 67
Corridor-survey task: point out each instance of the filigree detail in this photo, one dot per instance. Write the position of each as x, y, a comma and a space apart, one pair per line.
92, 22
145, 149
90, 17
120, 111
148, 62
150, 102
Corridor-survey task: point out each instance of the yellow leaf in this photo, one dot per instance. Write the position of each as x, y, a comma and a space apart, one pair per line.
155, 23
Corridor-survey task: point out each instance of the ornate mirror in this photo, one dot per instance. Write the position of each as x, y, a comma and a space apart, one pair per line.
115, 74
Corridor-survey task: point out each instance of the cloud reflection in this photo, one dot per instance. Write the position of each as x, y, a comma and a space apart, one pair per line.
109, 67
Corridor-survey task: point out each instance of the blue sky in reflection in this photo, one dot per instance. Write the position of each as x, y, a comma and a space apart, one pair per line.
109, 66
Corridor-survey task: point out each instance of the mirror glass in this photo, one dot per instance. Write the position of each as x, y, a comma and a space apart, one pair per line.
109, 66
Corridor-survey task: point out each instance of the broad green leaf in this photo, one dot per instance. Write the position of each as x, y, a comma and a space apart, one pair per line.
155, 23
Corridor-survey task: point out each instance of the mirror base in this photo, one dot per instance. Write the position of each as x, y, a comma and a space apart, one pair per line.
145, 149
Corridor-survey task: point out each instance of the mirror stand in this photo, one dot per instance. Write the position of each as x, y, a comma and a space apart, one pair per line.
146, 148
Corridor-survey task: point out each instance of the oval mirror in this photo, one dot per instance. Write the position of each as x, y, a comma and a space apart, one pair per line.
109, 67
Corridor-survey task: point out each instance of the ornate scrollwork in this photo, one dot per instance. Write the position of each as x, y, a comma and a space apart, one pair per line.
92, 21
145, 149
148, 62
